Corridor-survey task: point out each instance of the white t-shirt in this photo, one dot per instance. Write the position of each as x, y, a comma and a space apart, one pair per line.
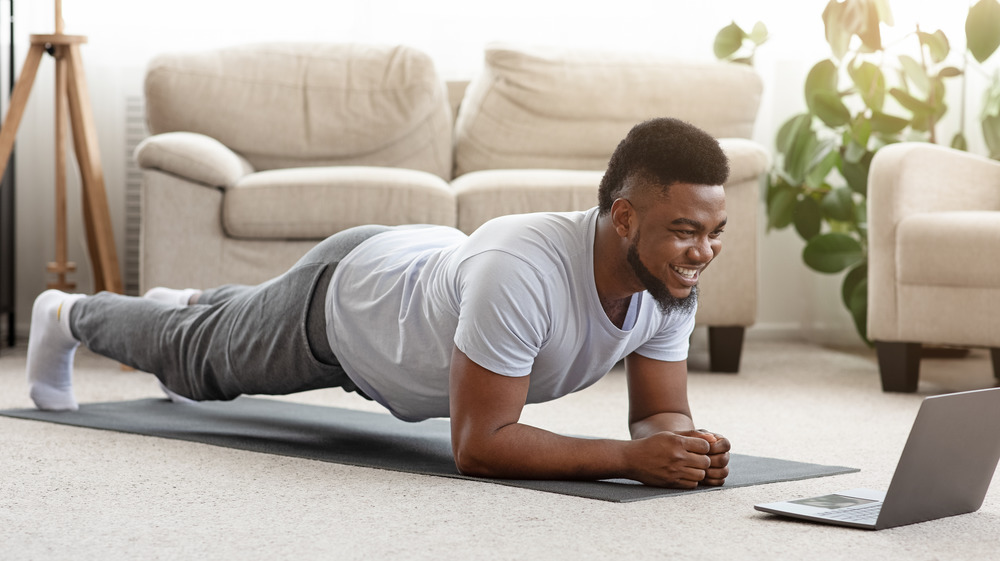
518, 297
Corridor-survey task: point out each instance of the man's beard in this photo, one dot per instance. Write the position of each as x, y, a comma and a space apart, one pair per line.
666, 301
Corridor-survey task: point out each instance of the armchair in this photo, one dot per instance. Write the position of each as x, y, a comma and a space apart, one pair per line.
933, 274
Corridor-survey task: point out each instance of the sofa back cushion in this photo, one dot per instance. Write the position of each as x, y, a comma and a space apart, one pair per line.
568, 109
283, 105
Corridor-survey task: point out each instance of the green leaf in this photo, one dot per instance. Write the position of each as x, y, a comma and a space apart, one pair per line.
870, 82
959, 142
832, 252
838, 205
982, 29
869, 33
820, 163
728, 40
991, 99
915, 73
808, 218
781, 208
856, 173
830, 109
883, 11
801, 149
910, 102
936, 98
861, 218
887, 124
858, 306
854, 294
861, 130
853, 152
855, 276
840, 26
822, 78
759, 33
949, 72
991, 134
921, 121
937, 45
789, 131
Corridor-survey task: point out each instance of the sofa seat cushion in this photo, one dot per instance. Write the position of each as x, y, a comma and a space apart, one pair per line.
483, 195
550, 108
957, 249
313, 203
284, 105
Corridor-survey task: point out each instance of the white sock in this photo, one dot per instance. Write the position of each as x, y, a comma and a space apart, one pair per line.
171, 296
51, 347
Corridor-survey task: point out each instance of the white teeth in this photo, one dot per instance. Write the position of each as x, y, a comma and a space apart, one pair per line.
686, 273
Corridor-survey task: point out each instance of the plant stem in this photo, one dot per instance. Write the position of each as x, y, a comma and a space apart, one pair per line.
965, 85
931, 125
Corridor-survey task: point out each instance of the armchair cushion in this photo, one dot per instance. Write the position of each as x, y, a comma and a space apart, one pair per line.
947, 249
313, 203
483, 195
285, 105
568, 109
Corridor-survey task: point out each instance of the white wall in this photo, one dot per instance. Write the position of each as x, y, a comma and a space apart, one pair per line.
124, 34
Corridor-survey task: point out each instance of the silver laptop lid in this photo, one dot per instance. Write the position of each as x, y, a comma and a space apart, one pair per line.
948, 461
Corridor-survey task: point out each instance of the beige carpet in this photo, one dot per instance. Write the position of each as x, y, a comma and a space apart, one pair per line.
69, 493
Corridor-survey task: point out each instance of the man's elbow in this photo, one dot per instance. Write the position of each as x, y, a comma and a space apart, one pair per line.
470, 461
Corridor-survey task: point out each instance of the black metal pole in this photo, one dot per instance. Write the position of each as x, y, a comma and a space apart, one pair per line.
8, 302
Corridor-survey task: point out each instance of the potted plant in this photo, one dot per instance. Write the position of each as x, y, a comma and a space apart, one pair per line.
863, 97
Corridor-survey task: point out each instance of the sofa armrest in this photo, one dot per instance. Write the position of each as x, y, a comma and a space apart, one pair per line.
747, 159
911, 178
193, 156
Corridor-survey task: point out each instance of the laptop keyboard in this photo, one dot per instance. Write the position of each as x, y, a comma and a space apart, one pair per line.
866, 514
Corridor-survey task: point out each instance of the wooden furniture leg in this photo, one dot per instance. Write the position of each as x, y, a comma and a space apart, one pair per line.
899, 366
725, 346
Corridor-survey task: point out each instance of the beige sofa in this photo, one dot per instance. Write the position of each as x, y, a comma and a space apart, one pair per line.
259, 151
934, 242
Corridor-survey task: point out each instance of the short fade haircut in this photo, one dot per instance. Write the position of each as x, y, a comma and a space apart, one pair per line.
663, 151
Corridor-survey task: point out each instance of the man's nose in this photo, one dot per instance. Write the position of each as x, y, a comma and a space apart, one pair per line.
702, 250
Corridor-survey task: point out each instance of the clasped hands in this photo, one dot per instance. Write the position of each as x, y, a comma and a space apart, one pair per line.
681, 459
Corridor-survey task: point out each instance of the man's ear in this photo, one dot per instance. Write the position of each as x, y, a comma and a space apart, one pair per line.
622, 216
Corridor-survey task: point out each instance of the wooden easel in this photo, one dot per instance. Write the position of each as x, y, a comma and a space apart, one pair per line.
71, 90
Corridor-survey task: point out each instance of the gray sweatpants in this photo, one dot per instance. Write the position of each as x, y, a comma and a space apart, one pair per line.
265, 339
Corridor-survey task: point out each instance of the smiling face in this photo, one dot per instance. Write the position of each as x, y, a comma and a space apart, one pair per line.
680, 235
655, 287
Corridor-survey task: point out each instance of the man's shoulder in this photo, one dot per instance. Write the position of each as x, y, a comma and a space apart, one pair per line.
541, 219
553, 231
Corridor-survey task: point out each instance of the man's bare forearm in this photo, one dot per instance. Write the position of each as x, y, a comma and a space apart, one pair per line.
519, 451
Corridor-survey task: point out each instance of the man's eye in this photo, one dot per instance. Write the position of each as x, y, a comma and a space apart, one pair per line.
716, 233
685, 233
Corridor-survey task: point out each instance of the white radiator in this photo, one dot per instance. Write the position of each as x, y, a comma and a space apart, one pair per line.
135, 132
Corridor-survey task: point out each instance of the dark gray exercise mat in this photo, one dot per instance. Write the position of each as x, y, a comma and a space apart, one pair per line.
364, 439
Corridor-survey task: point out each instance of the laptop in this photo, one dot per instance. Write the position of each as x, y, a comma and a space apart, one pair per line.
945, 469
